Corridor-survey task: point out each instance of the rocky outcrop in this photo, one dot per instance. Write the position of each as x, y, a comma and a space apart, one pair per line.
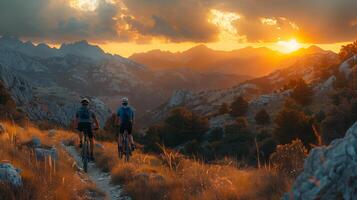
10, 174
179, 97
329, 172
346, 67
47, 103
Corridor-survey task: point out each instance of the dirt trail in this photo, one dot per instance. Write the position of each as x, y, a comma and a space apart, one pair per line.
101, 179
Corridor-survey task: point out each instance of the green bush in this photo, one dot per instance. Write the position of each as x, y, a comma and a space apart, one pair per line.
338, 119
239, 107
289, 158
348, 51
178, 128
293, 124
302, 93
262, 117
224, 109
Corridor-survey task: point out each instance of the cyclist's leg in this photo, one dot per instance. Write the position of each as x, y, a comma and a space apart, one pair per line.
120, 136
130, 135
80, 131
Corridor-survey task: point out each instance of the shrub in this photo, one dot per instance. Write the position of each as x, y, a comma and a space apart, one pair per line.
239, 107
338, 119
240, 125
293, 124
341, 81
179, 127
153, 138
262, 117
224, 109
302, 93
216, 134
267, 147
289, 158
8, 108
348, 51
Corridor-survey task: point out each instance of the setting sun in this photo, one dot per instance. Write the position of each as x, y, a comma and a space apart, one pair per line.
288, 46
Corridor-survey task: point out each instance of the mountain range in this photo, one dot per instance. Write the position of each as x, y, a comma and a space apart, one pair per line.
48, 82
253, 62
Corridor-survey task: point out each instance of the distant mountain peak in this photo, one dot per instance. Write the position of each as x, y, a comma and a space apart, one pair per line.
313, 49
82, 48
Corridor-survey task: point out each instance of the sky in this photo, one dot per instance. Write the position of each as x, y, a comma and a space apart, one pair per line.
129, 26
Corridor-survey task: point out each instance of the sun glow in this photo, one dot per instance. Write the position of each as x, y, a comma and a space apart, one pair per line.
85, 5
288, 46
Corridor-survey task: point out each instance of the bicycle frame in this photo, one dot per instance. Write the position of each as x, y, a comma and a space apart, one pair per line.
124, 149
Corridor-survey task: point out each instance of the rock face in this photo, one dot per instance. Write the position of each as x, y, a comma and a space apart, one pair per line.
346, 67
10, 174
329, 172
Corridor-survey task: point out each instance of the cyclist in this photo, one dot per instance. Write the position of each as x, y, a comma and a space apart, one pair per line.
125, 119
84, 121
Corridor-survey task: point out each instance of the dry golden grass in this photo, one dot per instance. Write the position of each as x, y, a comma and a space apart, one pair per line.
168, 176
47, 179
171, 176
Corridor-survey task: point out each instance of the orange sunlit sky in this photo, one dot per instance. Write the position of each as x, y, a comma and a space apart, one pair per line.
125, 27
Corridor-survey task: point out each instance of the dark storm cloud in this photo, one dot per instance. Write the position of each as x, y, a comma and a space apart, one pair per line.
56, 20
319, 21
176, 20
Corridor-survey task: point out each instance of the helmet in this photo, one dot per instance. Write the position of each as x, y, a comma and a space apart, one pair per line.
125, 100
85, 101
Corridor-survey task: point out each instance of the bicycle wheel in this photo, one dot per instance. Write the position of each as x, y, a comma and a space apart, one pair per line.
120, 151
127, 148
85, 156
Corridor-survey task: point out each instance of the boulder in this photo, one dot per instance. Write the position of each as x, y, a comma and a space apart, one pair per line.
10, 174
329, 172
99, 145
35, 142
42, 153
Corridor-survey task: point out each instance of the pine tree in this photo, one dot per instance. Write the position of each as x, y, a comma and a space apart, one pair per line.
302, 93
262, 117
239, 107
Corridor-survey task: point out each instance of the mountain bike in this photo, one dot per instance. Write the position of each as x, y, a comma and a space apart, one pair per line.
85, 153
125, 149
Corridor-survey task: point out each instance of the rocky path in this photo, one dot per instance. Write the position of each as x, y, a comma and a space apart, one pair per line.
101, 179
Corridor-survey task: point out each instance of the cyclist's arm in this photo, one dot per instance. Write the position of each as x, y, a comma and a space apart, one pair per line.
133, 118
117, 118
96, 122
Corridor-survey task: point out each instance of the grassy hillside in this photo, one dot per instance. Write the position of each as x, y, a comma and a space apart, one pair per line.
47, 179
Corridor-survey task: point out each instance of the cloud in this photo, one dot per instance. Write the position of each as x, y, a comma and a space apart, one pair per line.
56, 20
175, 20
318, 21
315, 21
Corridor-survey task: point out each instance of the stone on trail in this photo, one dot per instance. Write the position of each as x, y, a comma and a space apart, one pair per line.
10, 174
329, 172
42, 153
2, 129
